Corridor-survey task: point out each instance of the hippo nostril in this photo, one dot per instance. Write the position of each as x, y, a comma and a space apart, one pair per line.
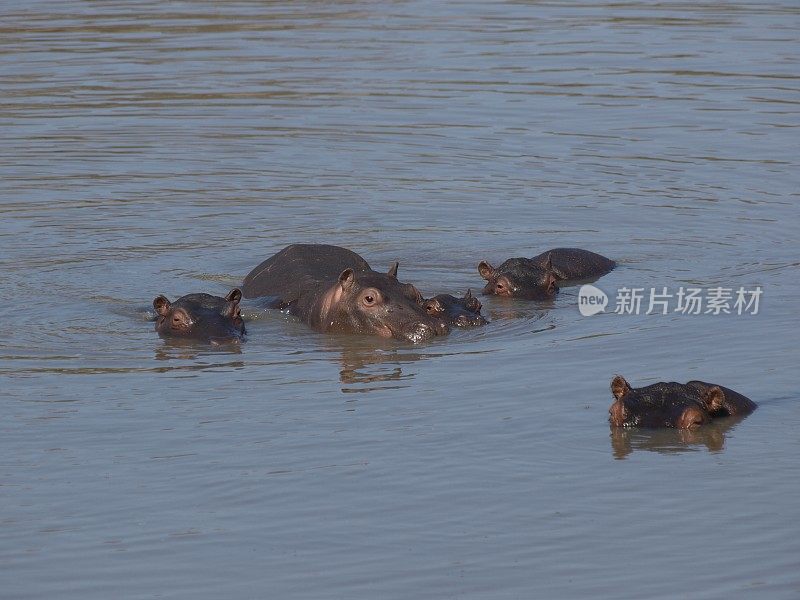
421, 331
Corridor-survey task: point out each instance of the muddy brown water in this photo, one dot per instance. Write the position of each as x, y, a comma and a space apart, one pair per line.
168, 148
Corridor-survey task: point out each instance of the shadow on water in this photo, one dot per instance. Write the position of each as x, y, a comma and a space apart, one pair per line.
625, 440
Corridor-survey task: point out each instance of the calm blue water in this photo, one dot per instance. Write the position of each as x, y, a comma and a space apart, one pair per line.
168, 148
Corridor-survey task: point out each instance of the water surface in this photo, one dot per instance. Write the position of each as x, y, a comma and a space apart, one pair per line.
168, 148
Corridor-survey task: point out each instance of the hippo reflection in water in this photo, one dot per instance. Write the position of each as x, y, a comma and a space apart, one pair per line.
333, 289
201, 317
625, 440
537, 278
669, 404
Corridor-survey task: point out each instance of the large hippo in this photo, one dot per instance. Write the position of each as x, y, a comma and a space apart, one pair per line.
334, 290
202, 317
669, 404
536, 278
458, 312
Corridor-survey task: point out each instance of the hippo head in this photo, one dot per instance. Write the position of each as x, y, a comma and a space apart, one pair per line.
662, 405
520, 278
373, 303
460, 312
203, 317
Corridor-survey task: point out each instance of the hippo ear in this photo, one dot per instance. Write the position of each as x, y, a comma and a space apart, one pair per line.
472, 303
347, 279
231, 308
550, 277
393, 269
161, 304
713, 399
486, 270
619, 387
550, 283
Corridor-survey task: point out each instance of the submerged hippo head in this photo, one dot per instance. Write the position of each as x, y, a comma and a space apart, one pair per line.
458, 312
520, 278
202, 317
373, 303
663, 405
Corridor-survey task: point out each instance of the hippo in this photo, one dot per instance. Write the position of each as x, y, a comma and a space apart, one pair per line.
202, 317
333, 289
669, 404
536, 278
458, 312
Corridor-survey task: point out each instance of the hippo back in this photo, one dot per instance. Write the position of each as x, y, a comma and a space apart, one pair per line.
299, 268
575, 263
733, 403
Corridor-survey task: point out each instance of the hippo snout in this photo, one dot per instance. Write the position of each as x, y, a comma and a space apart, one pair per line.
442, 328
419, 332
225, 340
465, 321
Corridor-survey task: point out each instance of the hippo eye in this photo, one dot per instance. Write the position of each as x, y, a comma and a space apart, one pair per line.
181, 320
371, 297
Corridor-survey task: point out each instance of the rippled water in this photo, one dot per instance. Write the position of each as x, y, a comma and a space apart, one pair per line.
170, 147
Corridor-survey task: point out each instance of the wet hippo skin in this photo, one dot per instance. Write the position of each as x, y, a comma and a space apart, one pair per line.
201, 317
670, 404
537, 278
333, 289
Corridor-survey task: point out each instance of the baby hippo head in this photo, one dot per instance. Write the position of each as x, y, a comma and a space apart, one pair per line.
662, 405
458, 312
520, 278
373, 303
201, 317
